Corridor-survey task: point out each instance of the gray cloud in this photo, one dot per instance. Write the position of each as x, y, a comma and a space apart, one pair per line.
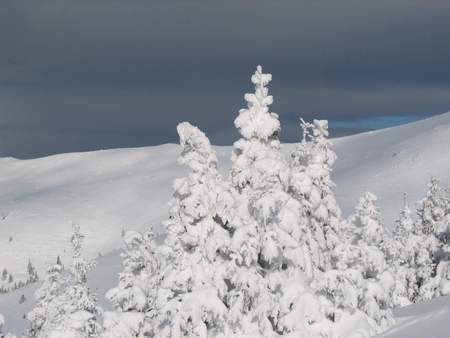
90, 74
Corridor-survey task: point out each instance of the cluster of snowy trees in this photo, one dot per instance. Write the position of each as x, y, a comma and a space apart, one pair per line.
264, 252
8, 283
419, 252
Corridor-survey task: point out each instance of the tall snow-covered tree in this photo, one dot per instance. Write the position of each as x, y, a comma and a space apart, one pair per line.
65, 307
49, 306
134, 298
399, 251
269, 223
311, 184
273, 248
432, 209
365, 253
80, 310
404, 226
194, 281
433, 239
258, 163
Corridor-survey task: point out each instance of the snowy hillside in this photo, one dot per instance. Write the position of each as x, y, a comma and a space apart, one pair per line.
107, 191
391, 161
428, 319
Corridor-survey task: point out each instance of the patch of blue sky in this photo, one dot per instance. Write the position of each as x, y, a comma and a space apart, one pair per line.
377, 122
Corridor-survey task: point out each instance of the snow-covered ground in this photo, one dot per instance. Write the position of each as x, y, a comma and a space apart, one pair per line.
426, 320
107, 191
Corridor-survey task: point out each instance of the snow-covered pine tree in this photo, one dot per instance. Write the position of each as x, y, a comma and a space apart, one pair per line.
32, 273
325, 211
4, 274
311, 184
432, 219
432, 209
432, 227
400, 258
366, 254
79, 304
270, 226
405, 224
134, 298
194, 286
48, 309
273, 250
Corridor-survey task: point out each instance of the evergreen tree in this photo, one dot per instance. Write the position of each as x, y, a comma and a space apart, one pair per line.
32, 273
135, 295
79, 305
48, 308
4, 274
22, 299
311, 184
268, 223
194, 286
366, 254
432, 246
400, 258
432, 220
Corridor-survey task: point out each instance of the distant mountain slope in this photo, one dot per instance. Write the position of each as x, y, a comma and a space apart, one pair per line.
106, 191
391, 161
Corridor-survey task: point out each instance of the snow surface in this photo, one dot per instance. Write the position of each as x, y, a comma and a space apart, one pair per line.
425, 320
107, 191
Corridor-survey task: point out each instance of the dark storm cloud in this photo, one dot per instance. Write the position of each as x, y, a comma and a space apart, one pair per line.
90, 74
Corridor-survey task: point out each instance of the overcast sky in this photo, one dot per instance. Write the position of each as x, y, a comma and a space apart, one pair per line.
91, 74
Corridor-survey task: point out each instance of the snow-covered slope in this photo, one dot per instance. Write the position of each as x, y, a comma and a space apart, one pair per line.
107, 191
391, 161
426, 320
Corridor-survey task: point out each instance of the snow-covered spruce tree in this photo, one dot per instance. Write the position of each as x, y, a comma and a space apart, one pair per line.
268, 224
134, 298
4, 274
79, 309
433, 228
365, 253
272, 247
49, 306
32, 273
433, 220
311, 184
193, 288
400, 257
